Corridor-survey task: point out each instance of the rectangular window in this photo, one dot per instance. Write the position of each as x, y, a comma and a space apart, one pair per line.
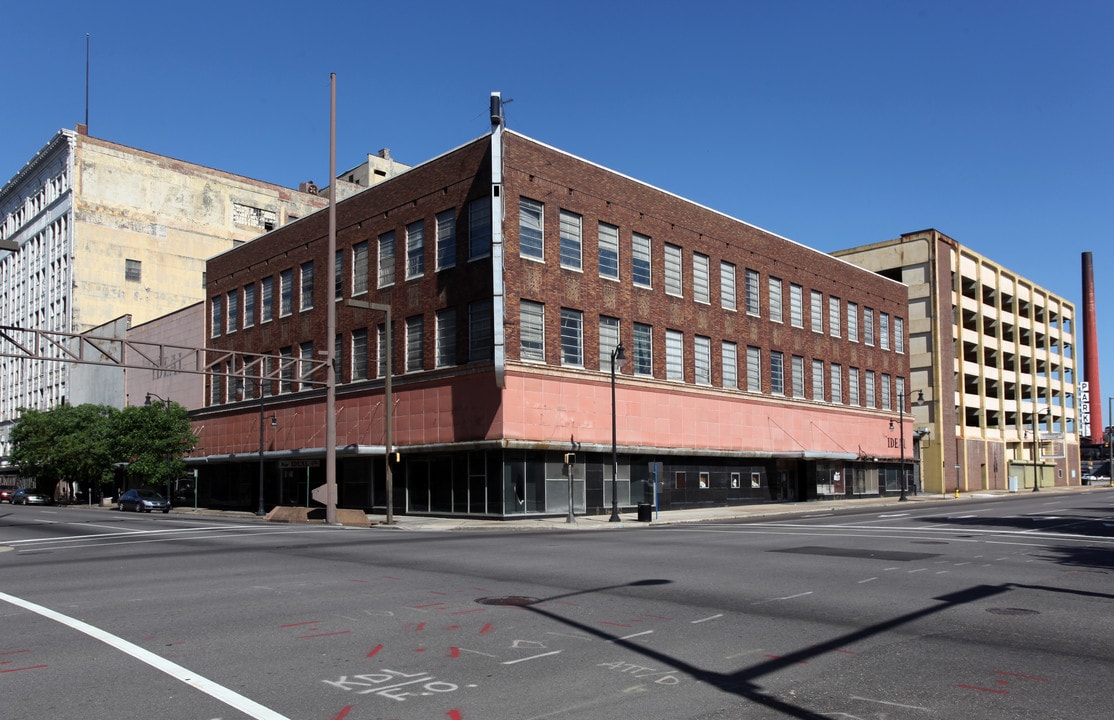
835, 322
868, 326
286, 370
729, 358
415, 249
216, 316
853, 387
702, 360
446, 337
415, 335
572, 337
816, 311
338, 275
133, 271
609, 251
233, 310
884, 331
818, 380
754, 369
338, 358
796, 306
775, 301
797, 372
887, 401
869, 390
479, 228
853, 322
446, 239
266, 300
836, 381
286, 293
481, 338
727, 285
777, 372
267, 370
640, 260
674, 355
674, 283
306, 295
899, 335
531, 243
609, 340
359, 354
752, 292
359, 268
382, 352
899, 383
305, 361
531, 333
387, 259
571, 242
701, 282
643, 350
249, 306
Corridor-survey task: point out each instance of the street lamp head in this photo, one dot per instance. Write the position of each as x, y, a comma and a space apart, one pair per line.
147, 401
891, 424
920, 397
274, 420
618, 355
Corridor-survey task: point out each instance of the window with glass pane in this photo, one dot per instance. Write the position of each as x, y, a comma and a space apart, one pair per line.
446, 239
387, 259
609, 251
233, 310
853, 387
818, 380
572, 337
359, 354
753, 301
868, 326
835, 322
674, 355
249, 305
701, 282
415, 249
727, 285
797, 373
775, 300
836, 382
777, 372
268, 368
286, 293
869, 389
305, 361
531, 242
887, 400
673, 279
754, 369
640, 260
729, 358
609, 340
884, 331
480, 331
479, 228
286, 369
306, 295
853, 322
702, 360
338, 275
266, 300
796, 306
899, 387
531, 334
643, 350
446, 337
899, 335
571, 240
382, 352
359, 268
338, 357
216, 316
816, 311
415, 334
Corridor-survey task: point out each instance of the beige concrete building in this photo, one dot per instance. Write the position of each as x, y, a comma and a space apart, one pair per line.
92, 231
994, 356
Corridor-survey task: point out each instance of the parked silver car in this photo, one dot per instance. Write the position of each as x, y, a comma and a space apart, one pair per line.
29, 496
143, 500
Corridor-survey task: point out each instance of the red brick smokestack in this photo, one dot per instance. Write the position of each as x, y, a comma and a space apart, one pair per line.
1093, 428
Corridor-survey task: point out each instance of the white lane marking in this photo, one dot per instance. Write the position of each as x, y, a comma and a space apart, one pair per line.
867, 580
219, 692
711, 617
787, 597
129, 533
893, 704
532, 657
628, 637
117, 543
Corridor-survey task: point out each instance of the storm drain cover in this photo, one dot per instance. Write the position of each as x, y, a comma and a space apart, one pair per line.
1012, 611
510, 600
891, 555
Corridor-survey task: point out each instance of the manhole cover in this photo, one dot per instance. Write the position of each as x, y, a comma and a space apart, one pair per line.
510, 600
1012, 611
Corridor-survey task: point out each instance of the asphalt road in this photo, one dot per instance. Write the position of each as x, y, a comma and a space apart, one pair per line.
1001, 608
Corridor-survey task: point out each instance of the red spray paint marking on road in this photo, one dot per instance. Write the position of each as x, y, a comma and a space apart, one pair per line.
339, 632
344, 713
31, 667
308, 622
454, 715
375, 651
14, 652
454, 652
1017, 675
989, 690
486, 629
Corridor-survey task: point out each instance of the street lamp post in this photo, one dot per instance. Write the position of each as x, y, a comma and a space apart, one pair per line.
901, 431
166, 404
260, 510
1038, 470
618, 355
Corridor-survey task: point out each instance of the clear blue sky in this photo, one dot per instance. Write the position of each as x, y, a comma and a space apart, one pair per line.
834, 123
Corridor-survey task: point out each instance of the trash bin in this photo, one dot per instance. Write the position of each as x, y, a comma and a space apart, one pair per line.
645, 512
1013, 483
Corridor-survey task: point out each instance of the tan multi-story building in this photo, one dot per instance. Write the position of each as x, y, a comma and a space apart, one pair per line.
992, 355
92, 232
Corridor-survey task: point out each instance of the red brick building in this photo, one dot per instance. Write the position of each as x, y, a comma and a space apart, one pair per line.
756, 368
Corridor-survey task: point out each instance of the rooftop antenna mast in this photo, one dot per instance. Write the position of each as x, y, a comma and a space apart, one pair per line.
86, 82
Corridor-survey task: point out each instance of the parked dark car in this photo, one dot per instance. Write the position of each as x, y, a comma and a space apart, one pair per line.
29, 496
143, 500
6, 492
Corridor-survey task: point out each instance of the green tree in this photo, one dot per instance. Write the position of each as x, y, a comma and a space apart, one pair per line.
70, 442
153, 440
